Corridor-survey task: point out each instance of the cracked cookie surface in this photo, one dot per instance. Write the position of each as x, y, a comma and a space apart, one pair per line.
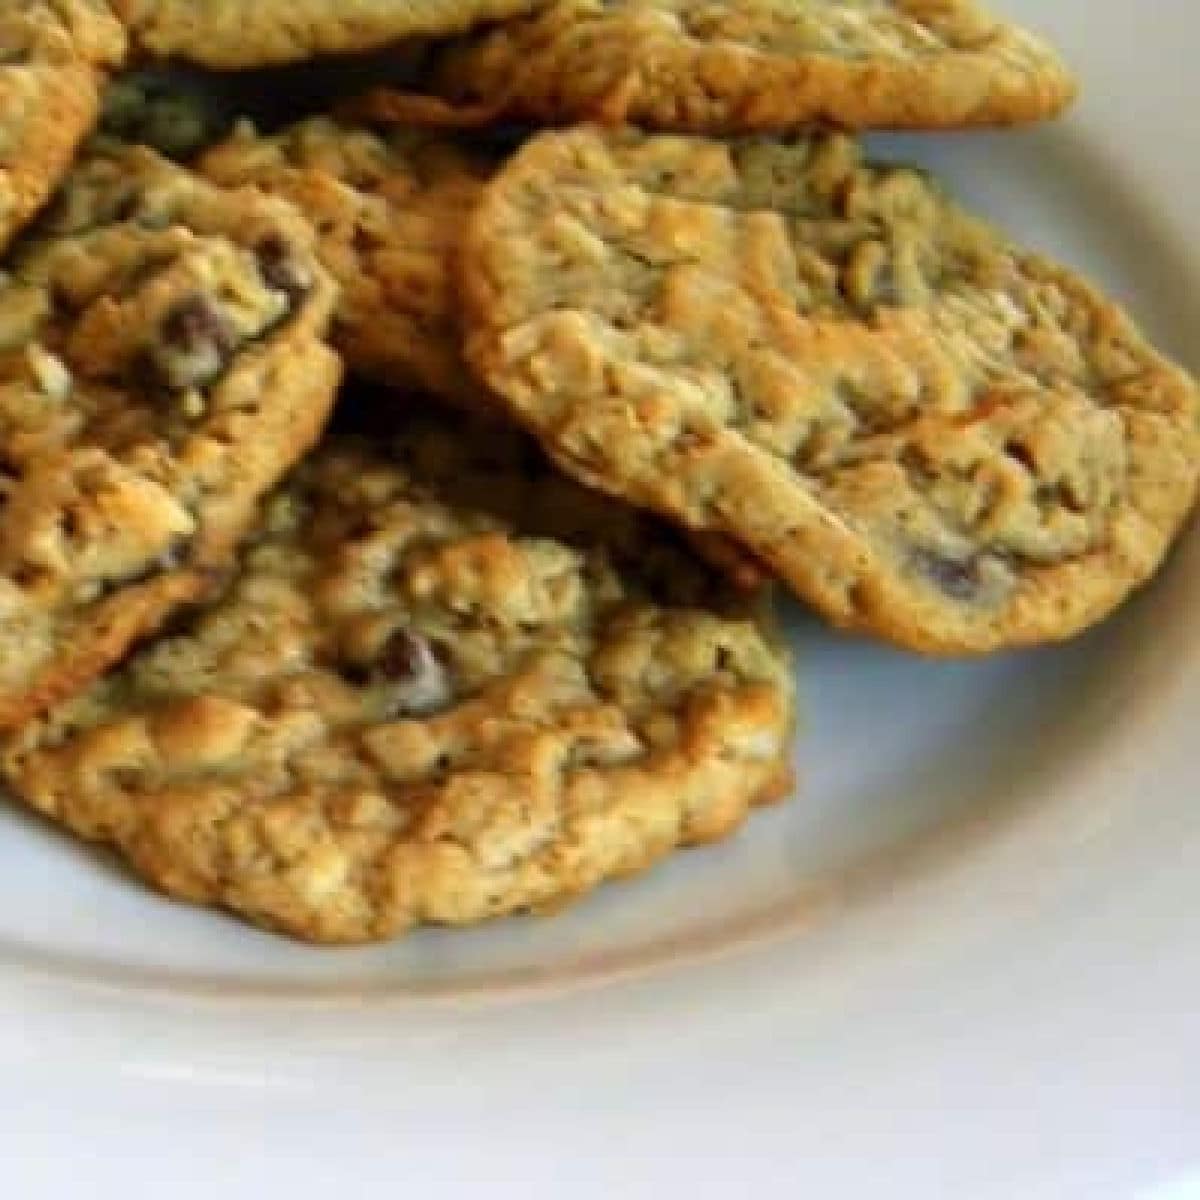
162, 364
55, 56
931, 434
446, 684
235, 34
389, 211
751, 66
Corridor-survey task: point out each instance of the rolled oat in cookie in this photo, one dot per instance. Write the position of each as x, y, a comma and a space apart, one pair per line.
239, 34
446, 684
155, 380
933, 435
389, 211
742, 66
55, 56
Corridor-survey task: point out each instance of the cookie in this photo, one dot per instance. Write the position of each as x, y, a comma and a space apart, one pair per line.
746, 67
445, 685
234, 34
933, 435
54, 58
389, 211
161, 367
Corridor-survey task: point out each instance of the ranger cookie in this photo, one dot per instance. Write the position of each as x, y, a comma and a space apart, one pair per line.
751, 66
55, 56
932, 435
445, 685
233, 34
161, 366
389, 211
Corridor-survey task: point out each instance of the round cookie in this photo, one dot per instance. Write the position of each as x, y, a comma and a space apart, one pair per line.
750, 66
931, 434
234, 34
389, 211
54, 58
445, 685
162, 365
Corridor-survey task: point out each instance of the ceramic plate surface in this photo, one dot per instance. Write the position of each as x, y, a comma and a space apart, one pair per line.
961, 962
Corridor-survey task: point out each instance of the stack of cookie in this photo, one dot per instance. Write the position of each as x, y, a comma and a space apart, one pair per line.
617, 330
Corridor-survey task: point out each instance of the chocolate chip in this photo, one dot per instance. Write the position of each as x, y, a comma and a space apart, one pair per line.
281, 270
403, 655
419, 682
197, 321
959, 579
365, 242
196, 342
170, 560
1021, 453
174, 556
10, 479
128, 206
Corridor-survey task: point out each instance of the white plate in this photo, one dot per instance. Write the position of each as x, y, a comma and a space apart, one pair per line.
963, 962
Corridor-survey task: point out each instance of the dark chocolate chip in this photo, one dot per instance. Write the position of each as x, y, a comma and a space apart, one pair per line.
365, 242
71, 525
959, 579
404, 655
170, 560
281, 270
196, 342
173, 557
128, 206
196, 323
419, 680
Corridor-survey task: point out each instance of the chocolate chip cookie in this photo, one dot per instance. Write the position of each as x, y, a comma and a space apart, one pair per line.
235, 34
744, 67
446, 684
162, 364
389, 211
933, 435
55, 56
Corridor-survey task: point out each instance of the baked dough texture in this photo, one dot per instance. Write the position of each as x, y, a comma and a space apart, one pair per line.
162, 365
55, 56
240, 34
752, 66
445, 684
389, 210
933, 435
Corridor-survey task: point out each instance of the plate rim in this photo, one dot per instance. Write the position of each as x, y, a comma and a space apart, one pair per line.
236, 1048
